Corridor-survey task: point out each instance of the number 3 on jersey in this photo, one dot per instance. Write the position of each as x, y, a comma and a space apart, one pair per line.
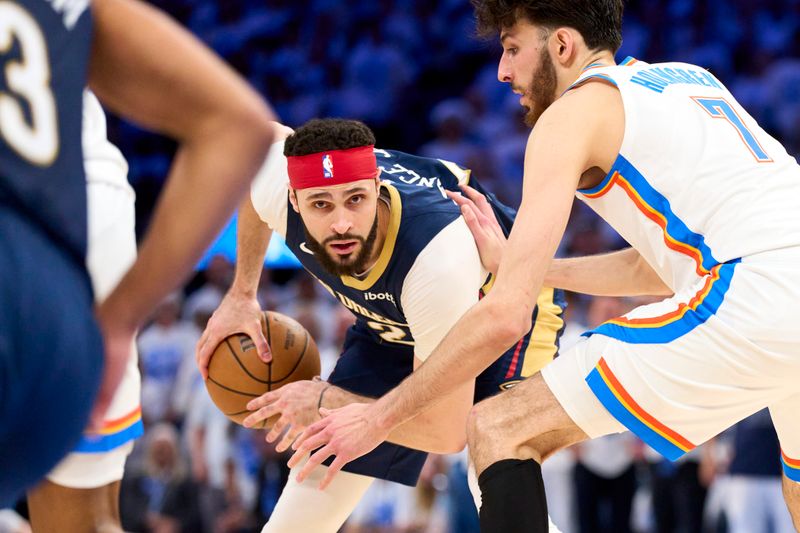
720, 108
29, 79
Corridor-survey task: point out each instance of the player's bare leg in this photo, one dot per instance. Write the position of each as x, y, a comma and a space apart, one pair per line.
509, 435
55, 508
791, 493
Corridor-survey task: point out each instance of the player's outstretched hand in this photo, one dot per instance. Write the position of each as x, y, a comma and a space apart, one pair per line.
297, 404
482, 223
237, 313
348, 433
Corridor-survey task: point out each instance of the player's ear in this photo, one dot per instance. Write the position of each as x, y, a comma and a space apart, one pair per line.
378, 180
562, 44
293, 199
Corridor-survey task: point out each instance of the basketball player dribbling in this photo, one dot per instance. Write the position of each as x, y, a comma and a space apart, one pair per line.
51, 352
377, 229
711, 206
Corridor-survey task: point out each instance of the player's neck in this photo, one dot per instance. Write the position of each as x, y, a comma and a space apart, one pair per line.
588, 59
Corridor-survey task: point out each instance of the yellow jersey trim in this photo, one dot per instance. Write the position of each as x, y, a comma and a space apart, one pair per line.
542, 345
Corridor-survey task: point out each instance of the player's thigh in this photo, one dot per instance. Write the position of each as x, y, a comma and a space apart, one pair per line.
527, 413
50, 354
55, 508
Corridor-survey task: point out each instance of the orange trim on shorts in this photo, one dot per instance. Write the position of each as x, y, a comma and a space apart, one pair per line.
672, 316
634, 408
118, 424
794, 463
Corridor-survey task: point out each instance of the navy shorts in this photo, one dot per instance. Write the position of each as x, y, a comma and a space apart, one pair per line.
51, 354
369, 368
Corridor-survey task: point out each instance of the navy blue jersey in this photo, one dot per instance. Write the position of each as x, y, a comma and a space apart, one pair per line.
419, 211
44, 54
379, 349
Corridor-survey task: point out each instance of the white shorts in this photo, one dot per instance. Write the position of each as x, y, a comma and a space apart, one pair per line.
99, 459
682, 370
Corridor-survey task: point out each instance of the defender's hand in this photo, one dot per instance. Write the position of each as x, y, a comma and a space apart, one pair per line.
296, 403
347, 433
236, 314
480, 219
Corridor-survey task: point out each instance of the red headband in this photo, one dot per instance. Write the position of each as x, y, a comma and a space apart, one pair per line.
333, 167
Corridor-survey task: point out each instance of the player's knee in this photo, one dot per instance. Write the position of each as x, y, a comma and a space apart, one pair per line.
482, 424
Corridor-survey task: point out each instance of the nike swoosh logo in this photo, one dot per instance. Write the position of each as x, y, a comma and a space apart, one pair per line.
305, 248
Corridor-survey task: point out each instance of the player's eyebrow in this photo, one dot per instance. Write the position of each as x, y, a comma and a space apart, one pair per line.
327, 195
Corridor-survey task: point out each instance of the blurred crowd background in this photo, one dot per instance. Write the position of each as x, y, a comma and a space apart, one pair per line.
415, 72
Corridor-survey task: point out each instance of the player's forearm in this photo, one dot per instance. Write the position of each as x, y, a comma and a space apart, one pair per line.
620, 273
252, 239
487, 330
423, 432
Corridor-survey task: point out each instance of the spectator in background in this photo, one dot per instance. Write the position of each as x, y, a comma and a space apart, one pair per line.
271, 477
678, 492
163, 346
753, 502
451, 119
208, 438
218, 276
161, 497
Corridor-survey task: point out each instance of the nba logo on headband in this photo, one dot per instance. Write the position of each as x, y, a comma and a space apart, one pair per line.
327, 166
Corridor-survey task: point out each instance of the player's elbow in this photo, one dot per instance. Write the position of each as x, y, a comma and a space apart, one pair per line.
258, 122
511, 319
454, 444
450, 442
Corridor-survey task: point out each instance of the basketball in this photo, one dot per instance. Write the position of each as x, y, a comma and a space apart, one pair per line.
236, 375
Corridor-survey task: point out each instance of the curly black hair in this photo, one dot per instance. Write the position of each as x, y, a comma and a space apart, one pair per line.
325, 134
598, 21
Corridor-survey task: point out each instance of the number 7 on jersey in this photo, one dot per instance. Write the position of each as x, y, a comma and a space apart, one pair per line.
720, 108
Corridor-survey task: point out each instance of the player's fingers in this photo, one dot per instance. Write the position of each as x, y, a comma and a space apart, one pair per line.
206, 351
314, 461
333, 469
255, 332
288, 439
482, 204
264, 413
277, 429
307, 444
311, 431
459, 199
474, 225
264, 400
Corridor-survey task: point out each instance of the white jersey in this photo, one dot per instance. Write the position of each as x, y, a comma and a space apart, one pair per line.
697, 182
102, 160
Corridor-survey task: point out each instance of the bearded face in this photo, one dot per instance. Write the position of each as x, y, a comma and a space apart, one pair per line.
347, 254
541, 91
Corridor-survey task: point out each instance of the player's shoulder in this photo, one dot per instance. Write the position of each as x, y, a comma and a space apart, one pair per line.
588, 109
421, 169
